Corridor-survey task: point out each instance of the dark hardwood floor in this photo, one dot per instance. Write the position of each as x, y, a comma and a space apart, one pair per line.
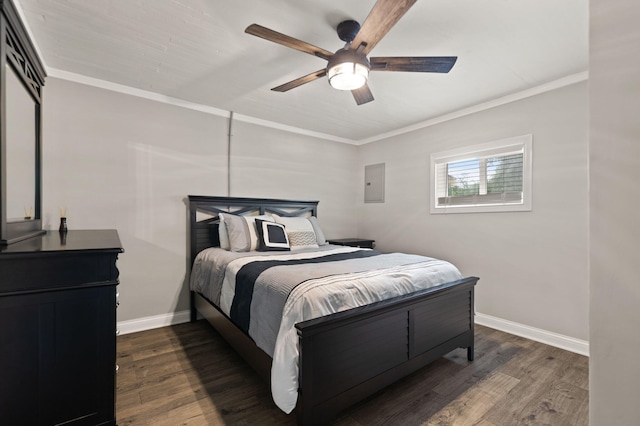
188, 375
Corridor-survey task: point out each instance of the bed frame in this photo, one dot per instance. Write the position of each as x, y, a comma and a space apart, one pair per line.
347, 356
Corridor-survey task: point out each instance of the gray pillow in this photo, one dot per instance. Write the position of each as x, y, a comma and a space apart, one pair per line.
223, 235
316, 228
238, 231
242, 231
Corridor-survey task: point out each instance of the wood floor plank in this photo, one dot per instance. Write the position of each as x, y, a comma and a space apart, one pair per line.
537, 399
468, 408
413, 393
482, 366
188, 375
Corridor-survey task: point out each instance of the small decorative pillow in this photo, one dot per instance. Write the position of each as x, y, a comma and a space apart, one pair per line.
242, 231
300, 232
271, 236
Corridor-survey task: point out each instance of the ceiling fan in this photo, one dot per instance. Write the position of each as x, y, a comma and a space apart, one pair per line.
348, 68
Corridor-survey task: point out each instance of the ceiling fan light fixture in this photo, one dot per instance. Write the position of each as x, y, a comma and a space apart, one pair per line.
347, 70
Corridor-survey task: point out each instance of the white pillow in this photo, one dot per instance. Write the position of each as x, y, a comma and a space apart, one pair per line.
242, 231
299, 231
322, 241
223, 234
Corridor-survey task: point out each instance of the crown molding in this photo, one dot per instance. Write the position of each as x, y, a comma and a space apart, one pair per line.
128, 90
107, 85
547, 87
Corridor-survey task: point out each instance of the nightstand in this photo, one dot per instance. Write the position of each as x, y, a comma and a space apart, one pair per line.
353, 242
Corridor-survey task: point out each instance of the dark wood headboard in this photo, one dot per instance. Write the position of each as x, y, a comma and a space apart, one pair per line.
204, 233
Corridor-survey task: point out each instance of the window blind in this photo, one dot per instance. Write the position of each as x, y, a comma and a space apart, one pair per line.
493, 176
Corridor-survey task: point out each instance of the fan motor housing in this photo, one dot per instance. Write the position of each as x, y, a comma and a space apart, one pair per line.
347, 30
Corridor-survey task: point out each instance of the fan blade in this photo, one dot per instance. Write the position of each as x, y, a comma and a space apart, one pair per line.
362, 95
441, 64
381, 19
285, 40
300, 81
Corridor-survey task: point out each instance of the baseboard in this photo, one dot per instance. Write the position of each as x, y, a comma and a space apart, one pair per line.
553, 339
155, 321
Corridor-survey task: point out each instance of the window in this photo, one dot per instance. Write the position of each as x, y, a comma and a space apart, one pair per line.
484, 178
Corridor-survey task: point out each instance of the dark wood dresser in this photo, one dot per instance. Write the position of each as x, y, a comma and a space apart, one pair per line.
57, 329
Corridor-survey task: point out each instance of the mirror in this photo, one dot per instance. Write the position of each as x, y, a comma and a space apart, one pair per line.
21, 81
20, 130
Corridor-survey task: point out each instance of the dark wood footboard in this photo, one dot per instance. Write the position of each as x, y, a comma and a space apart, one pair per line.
350, 355
347, 356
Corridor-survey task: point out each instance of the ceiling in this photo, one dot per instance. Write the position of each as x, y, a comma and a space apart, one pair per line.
197, 51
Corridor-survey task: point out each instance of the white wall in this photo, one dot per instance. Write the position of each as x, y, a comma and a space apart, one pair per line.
532, 265
278, 164
122, 162
614, 371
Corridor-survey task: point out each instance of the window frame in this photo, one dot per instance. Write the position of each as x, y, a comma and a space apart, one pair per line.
523, 142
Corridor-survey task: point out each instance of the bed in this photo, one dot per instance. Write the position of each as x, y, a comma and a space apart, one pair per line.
340, 360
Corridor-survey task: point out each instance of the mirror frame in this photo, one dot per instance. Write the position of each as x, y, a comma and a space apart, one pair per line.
17, 52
